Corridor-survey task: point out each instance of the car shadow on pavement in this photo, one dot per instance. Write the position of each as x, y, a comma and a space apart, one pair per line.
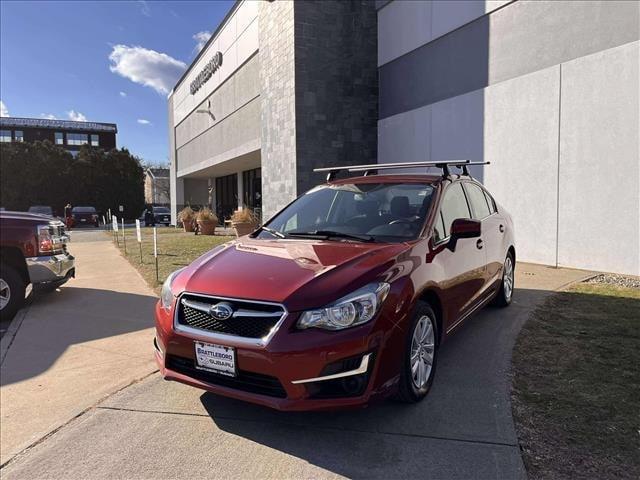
467, 410
71, 320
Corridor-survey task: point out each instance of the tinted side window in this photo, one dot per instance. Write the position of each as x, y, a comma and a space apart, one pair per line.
454, 206
478, 201
491, 202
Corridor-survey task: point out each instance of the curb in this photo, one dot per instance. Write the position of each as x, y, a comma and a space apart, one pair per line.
10, 334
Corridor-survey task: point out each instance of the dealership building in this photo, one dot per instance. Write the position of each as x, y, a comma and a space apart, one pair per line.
545, 91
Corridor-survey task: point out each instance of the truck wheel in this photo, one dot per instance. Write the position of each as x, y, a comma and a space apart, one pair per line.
11, 292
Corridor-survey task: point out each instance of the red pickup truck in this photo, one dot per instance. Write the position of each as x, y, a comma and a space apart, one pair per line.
33, 250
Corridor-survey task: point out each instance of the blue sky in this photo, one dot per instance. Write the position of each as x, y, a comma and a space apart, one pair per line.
105, 61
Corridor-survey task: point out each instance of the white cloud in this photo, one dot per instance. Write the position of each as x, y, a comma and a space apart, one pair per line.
143, 121
3, 110
48, 116
201, 38
123, 94
76, 116
146, 67
144, 8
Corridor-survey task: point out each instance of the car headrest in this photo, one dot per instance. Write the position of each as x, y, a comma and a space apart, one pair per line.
425, 204
400, 207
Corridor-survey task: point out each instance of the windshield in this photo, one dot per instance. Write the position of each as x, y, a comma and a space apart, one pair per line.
41, 210
161, 210
387, 212
83, 210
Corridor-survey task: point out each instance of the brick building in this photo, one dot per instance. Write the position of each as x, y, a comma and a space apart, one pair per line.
67, 134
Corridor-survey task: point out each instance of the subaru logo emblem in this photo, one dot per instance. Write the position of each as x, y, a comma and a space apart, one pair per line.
221, 311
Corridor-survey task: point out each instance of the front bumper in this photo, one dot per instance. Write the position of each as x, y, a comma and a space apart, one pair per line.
288, 369
54, 269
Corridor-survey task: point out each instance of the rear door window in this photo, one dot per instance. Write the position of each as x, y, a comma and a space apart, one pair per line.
454, 206
478, 201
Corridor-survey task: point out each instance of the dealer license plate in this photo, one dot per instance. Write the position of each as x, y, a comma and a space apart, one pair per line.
216, 358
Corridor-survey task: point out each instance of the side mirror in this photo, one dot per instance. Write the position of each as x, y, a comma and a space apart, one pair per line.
463, 228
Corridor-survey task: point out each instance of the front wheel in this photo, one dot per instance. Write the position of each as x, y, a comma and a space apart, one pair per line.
12, 289
505, 294
420, 355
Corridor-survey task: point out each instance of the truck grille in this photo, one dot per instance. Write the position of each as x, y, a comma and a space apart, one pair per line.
245, 381
249, 319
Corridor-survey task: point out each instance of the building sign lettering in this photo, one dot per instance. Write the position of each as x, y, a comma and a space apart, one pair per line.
209, 69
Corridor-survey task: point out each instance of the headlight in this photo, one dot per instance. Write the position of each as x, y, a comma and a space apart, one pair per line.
166, 295
355, 309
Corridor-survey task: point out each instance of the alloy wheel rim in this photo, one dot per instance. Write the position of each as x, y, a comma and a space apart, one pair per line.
5, 294
422, 351
507, 278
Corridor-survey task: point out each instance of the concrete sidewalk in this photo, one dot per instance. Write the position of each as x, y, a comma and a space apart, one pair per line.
76, 345
464, 429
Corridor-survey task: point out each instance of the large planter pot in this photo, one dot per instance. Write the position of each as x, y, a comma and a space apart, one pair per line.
187, 224
243, 228
207, 227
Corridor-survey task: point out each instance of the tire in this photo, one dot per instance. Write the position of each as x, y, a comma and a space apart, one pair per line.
12, 289
505, 294
414, 387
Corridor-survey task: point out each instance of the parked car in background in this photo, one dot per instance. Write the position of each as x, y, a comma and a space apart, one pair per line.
41, 210
156, 215
345, 296
84, 216
33, 250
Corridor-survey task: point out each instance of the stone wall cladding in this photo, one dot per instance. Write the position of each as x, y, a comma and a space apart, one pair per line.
336, 86
278, 101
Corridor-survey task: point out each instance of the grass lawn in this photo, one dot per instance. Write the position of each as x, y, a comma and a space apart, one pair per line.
576, 385
176, 249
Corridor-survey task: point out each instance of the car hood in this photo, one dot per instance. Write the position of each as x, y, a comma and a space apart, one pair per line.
300, 274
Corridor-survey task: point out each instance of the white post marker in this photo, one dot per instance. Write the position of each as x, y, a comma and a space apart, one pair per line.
139, 235
124, 240
114, 221
104, 221
155, 250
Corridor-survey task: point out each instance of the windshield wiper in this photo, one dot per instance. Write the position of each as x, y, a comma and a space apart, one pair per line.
273, 232
331, 233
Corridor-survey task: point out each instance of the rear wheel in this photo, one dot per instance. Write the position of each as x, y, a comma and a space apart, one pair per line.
12, 289
420, 355
505, 294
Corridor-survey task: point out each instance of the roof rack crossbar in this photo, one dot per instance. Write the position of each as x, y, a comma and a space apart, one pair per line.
371, 169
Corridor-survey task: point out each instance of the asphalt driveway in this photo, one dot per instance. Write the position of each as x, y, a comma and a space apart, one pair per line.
464, 429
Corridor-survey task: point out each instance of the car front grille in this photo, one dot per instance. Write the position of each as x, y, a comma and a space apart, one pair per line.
245, 381
249, 319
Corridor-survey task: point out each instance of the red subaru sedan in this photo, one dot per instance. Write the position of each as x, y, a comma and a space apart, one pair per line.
344, 296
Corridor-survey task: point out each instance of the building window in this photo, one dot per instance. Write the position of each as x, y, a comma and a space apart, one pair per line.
59, 138
19, 136
77, 138
95, 141
5, 135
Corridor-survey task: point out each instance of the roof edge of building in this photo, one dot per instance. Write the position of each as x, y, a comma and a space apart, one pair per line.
213, 36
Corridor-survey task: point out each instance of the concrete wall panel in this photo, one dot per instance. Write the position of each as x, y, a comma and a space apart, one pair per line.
521, 142
599, 162
405, 137
237, 45
238, 90
527, 36
236, 130
457, 130
402, 27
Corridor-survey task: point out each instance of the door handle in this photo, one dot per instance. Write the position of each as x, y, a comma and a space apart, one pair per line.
501, 228
479, 244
